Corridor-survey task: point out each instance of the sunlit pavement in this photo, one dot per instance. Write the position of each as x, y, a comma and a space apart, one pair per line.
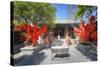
45, 56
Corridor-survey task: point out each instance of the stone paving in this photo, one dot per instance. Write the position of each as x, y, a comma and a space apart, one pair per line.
45, 56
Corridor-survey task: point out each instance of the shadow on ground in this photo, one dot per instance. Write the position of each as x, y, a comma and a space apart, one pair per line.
89, 51
36, 58
62, 55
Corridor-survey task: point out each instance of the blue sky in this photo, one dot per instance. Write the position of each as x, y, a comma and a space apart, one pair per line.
64, 11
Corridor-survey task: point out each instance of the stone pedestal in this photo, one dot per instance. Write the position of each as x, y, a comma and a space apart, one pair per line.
60, 50
28, 50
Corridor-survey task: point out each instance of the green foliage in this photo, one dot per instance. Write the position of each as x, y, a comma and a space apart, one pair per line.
34, 12
82, 9
22, 9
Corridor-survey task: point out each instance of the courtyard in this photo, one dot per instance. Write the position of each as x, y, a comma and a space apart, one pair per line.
50, 33
45, 56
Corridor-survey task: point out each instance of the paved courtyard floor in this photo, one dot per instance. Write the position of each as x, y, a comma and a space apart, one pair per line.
45, 56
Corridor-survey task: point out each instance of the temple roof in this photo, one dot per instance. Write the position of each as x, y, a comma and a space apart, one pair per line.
65, 21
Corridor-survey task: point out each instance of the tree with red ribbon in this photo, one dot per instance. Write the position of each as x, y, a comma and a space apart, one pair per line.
86, 31
32, 32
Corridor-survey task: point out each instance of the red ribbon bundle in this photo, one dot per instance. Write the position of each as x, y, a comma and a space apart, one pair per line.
31, 32
84, 32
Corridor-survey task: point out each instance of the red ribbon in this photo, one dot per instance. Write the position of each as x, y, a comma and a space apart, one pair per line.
84, 32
